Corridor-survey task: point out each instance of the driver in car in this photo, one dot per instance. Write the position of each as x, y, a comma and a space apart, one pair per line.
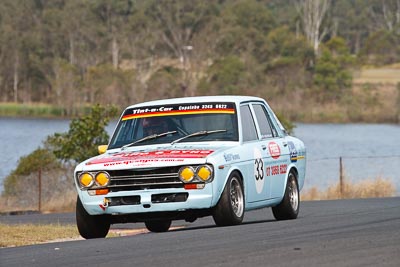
154, 125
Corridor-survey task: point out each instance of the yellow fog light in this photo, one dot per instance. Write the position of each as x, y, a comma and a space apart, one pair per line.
102, 178
86, 179
204, 173
186, 174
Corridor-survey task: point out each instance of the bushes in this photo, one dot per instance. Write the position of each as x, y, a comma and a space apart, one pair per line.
55, 163
40, 159
332, 75
83, 137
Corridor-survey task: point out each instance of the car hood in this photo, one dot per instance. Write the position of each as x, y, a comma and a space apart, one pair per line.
150, 158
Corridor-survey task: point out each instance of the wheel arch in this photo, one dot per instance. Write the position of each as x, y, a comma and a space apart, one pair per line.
295, 172
291, 169
223, 184
289, 206
230, 207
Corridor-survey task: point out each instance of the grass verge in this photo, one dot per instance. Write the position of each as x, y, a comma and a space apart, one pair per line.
379, 187
40, 110
31, 110
13, 235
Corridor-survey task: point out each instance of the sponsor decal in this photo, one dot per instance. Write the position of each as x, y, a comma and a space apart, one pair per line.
292, 151
182, 109
258, 170
274, 150
151, 156
141, 162
276, 169
295, 154
230, 157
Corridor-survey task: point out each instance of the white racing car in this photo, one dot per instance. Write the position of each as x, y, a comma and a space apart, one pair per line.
185, 158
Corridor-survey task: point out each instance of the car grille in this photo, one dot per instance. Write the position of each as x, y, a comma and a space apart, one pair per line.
128, 180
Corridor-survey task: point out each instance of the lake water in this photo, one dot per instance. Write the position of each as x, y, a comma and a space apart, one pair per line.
368, 150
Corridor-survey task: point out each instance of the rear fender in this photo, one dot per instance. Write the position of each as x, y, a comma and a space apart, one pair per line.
292, 168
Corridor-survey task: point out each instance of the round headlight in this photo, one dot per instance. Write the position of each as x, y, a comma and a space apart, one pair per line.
102, 178
86, 179
186, 174
204, 173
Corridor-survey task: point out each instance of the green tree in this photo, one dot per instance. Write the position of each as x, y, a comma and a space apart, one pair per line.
382, 47
165, 84
66, 84
105, 84
21, 46
332, 75
286, 123
78, 144
385, 15
83, 136
312, 15
242, 28
285, 53
176, 24
250, 14
113, 17
352, 21
225, 76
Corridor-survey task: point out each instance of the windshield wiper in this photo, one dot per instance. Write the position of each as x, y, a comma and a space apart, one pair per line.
149, 137
199, 133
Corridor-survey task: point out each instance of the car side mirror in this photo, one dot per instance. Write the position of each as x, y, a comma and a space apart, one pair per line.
102, 149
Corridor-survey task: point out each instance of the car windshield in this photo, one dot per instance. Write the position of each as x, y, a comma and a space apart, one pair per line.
198, 122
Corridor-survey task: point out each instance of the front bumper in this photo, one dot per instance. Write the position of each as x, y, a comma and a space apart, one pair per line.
148, 201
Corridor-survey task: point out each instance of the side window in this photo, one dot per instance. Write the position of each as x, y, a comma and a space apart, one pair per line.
248, 127
263, 122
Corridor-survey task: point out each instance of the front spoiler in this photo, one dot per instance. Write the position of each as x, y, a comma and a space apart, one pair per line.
197, 199
187, 215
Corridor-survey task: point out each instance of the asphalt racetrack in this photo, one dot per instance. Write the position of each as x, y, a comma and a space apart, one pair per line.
363, 232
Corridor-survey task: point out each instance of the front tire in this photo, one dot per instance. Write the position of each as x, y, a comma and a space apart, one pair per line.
288, 209
230, 207
91, 226
158, 226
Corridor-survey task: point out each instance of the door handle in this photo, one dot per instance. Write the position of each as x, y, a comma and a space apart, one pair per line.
263, 147
284, 143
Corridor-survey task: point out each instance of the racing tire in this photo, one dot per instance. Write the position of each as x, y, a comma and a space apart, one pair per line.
230, 207
91, 226
158, 226
289, 208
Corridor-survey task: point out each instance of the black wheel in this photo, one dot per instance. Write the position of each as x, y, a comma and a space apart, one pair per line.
230, 207
91, 226
158, 226
289, 207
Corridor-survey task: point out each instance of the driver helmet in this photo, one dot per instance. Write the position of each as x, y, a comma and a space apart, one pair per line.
154, 125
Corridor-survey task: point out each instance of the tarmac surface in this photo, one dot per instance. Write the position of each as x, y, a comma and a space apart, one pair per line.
362, 232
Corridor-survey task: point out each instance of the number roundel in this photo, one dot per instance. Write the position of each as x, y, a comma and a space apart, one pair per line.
258, 170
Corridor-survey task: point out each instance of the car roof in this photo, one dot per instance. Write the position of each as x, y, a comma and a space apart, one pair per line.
196, 99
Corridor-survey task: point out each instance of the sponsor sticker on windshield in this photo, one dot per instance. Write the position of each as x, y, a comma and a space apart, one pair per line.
152, 156
179, 109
